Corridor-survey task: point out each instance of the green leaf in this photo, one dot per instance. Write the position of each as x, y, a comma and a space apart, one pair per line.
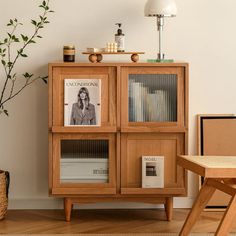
6, 112
34, 22
44, 79
15, 39
38, 36
5, 40
11, 21
3, 62
44, 3
9, 64
15, 20
27, 75
24, 37
23, 55
51, 11
32, 41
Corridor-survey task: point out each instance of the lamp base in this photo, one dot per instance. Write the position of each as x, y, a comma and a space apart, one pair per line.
158, 60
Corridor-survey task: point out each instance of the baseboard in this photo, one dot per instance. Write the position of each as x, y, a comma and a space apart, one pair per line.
55, 203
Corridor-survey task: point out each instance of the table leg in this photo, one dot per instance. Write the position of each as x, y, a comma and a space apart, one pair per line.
228, 218
203, 197
169, 208
67, 208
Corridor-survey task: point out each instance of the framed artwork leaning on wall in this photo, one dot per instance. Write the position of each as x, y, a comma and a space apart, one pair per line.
216, 135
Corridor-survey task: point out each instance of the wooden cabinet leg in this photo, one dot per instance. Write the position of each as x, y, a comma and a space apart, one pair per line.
200, 203
228, 218
67, 208
169, 208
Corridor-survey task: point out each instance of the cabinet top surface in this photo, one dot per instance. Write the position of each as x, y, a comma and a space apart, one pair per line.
212, 165
130, 64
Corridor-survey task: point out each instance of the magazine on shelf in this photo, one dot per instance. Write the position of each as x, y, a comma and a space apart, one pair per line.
152, 171
82, 102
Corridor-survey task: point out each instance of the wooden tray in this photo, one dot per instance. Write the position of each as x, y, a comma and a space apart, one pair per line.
98, 56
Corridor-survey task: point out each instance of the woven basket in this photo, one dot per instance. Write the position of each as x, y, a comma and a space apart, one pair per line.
4, 186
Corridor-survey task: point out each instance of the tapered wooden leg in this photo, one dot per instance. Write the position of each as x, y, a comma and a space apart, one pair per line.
200, 203
228, 218
169, 208
67, 208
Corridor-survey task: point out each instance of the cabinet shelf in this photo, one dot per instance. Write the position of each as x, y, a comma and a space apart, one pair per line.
150, 129
63, 129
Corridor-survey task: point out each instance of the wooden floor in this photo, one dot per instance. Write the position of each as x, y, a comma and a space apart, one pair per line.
103, 221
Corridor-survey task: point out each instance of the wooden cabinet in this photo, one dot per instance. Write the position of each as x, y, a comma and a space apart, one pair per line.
143, 112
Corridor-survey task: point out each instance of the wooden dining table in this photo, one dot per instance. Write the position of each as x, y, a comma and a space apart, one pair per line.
219, 172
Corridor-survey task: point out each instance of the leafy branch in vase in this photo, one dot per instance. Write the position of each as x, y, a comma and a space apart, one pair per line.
10, 57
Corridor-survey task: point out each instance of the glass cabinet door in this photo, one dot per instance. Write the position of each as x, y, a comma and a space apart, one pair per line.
84, 164
84, 161
152, 97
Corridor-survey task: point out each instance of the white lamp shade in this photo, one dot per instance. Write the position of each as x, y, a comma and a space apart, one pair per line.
160, 8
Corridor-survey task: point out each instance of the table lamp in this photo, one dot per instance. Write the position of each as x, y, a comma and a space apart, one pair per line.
160, 9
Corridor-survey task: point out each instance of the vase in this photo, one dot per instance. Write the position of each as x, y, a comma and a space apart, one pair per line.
4, 187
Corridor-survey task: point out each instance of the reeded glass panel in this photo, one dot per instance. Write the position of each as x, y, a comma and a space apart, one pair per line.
84, 161
152, 97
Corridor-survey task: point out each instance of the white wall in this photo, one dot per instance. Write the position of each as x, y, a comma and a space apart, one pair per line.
202, 34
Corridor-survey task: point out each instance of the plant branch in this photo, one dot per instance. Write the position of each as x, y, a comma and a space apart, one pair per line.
27, 83
8, 74
10, 65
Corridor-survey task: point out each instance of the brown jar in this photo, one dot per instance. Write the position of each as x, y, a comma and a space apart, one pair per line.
69, 53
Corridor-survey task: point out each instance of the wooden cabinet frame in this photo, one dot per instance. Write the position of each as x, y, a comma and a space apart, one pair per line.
122, 135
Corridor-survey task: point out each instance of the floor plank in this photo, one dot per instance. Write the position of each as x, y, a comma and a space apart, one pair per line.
103, 221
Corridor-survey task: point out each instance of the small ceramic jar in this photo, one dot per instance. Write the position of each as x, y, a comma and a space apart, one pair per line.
69, 53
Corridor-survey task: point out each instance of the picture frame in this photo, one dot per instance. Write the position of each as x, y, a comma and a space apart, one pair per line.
216, 135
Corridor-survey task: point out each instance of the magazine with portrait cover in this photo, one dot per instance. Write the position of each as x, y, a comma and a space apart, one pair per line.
82, 102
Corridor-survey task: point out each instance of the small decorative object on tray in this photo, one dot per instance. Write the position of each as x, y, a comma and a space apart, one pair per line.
111, 47
93, 50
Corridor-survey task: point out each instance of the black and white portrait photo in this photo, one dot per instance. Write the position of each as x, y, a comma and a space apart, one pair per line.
82, 102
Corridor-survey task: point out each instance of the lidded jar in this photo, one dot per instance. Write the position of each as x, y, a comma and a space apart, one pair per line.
69, 53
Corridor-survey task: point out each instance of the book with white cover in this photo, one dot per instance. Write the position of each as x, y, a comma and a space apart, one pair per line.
152, 171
